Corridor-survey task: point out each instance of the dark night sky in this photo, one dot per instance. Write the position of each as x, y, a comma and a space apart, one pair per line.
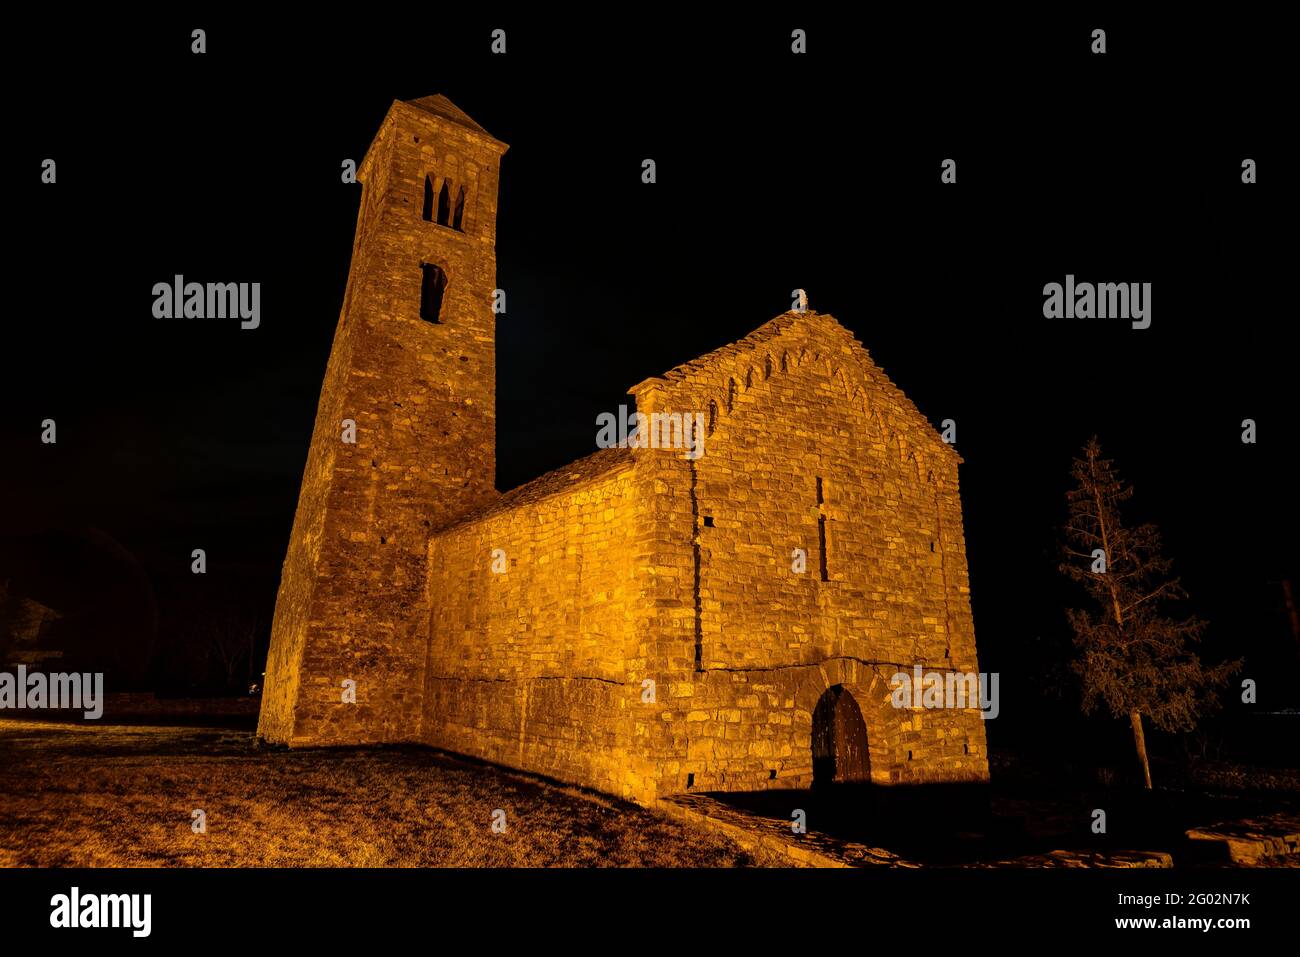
775, 172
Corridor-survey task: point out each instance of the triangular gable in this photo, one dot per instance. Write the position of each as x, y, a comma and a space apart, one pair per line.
778, 346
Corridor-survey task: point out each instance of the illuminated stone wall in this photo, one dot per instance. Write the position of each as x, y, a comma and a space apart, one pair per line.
640, 621
636, 565
532, 608
351, 605
746, 661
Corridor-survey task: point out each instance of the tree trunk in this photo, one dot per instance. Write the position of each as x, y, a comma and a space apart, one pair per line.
1140, 742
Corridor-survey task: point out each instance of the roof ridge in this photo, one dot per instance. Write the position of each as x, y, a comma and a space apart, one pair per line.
820, 322
439, 105
555, 482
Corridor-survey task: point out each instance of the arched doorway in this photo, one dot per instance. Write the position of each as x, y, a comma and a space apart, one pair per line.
839, 739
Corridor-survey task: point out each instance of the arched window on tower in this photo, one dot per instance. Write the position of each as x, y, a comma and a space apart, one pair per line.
428, 198
444, 204
458, 217
433, 283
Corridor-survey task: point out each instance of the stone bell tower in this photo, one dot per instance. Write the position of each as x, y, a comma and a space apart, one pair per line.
404, 439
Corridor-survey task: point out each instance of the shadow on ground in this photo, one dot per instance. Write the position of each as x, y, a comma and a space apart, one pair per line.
953, 825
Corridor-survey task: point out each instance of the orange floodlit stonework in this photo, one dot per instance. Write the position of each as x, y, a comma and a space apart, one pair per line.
643, 621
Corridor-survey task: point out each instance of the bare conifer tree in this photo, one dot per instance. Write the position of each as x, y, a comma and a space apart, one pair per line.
1131, 658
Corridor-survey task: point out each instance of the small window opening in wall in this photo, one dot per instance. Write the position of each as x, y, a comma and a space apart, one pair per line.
932, 546
433, 283
690, 780
383, 539
909, 755
458, 216
427, 215
771, 775
821, 531
708, 521
444, 204
965, 749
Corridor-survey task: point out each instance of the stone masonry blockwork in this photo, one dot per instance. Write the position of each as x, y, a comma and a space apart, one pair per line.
634, 622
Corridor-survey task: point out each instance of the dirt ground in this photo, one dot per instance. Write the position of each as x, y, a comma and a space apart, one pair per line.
80, 795
124, 796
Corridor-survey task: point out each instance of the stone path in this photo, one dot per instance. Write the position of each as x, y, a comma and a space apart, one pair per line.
765, 835
1248, 841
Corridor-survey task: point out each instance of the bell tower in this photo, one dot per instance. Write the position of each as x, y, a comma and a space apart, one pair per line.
404, 439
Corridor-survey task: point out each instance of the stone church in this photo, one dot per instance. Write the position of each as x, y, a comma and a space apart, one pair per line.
639, 622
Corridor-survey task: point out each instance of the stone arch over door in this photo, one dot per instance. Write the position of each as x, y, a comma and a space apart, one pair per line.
839, 739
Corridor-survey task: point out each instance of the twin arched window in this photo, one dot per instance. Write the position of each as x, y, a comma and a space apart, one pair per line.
444, 209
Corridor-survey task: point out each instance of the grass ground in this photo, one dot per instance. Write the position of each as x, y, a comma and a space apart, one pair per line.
122, 796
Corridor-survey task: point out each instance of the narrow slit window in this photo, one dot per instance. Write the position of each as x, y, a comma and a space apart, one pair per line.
444, 204
428, 199
433, 283
458, 217
821, 530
